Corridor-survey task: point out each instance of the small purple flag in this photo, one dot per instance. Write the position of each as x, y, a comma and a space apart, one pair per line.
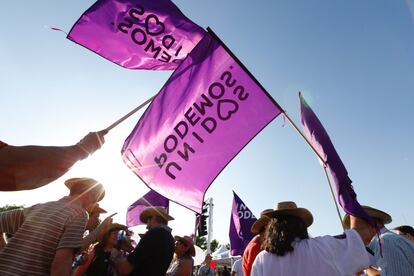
151, 198
318, 137
208, 110
241, 222
140, 34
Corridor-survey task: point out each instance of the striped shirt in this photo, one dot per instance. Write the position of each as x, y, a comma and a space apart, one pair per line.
38, 232
398, 254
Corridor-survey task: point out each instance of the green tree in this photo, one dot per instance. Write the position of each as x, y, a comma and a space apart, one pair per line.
213, 245
10, 207
201, 242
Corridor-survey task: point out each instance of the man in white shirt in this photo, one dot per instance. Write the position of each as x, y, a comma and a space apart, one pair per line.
237, 269
288, 250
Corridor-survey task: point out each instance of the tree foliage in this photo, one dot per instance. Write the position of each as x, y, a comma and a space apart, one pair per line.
10, 207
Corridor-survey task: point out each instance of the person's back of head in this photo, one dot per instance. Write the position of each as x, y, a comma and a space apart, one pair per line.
406, 231
281, 232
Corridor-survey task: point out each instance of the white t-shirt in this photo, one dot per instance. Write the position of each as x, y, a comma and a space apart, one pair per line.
325, 255
237, 267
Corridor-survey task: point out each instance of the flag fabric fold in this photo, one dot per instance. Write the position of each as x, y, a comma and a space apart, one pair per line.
141, 34
318, 137
205, 114
150, 199
241, 221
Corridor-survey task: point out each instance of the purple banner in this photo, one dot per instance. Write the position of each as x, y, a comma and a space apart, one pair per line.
151, 198
319, 138
208, 110
241, 222
140, 34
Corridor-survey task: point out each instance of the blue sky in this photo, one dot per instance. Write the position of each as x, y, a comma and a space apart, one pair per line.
353, 61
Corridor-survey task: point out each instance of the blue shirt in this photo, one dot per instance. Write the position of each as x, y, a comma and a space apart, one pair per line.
398, 254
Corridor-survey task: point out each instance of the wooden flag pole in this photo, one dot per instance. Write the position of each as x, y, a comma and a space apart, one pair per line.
320, 158
106, 130
333, 195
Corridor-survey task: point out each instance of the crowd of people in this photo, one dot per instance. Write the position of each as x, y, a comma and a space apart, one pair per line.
64, 237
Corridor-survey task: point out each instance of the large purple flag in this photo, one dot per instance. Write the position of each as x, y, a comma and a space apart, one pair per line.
319, 138
208, 110
241, 222
151, 198
137, 34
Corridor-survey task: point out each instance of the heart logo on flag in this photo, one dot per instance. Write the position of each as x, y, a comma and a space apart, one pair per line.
226, 108
156, 25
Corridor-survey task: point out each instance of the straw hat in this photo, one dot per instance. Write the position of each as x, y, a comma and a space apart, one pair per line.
261, 222
83, 184
187, 241
110, 228
155, 211
95, 208
289, 208
379, 215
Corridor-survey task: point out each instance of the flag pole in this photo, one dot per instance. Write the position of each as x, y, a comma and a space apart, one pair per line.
304, 137
106, 130
333, 196
320, 158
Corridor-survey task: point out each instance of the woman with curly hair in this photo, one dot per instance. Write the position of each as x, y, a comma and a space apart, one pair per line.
288, 250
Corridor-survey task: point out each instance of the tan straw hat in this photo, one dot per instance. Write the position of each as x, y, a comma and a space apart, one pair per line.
289, 208
261, 222
379, 215
155, 211
83, 184
187, 241
95, 208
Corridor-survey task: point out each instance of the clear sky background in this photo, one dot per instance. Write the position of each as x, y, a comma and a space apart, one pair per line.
353, 61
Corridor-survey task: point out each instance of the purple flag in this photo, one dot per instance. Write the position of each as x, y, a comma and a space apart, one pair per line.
317, 135
140, 34
151, 198
208, 110
241, 222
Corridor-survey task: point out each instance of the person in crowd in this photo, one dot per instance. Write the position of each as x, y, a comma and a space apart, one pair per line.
31, 167
94, 228
397, 252
254, 246
406, 231
205, 269
46, 236
225, 271
288, 250
237, 269
182, 264
97, 259
94, 212
154, 252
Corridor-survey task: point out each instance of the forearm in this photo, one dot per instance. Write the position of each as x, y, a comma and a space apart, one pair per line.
2, 241
62, 268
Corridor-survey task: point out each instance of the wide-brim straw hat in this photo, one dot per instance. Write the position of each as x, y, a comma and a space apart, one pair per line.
379, 215
95, 208
84, 184
155, 211
110, 228
289, 208
261, 222
187, 241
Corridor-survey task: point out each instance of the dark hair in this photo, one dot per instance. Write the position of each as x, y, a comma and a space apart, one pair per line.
406, 229
281, 232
